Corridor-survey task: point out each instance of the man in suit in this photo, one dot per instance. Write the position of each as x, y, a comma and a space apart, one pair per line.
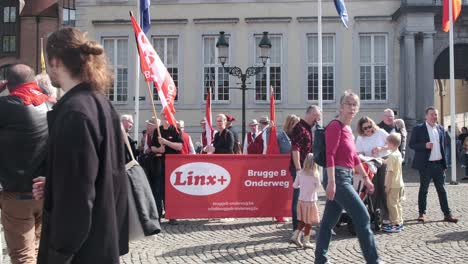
427, 141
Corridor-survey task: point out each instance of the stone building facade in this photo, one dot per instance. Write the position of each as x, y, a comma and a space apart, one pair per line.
387, 55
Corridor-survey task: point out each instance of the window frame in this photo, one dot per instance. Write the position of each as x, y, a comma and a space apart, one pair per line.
372, 65
218, 67
267, 70
164, 61
68, 6
9, 14
115, 69
324, 64
3, 51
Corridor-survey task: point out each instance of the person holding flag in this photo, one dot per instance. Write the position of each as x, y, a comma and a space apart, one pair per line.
166, 140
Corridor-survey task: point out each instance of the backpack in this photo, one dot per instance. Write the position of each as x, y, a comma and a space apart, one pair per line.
319, 148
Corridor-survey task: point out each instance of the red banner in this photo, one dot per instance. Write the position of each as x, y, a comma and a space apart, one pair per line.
220, 186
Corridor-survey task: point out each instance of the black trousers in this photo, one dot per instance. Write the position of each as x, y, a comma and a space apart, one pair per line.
379, 198
158, 183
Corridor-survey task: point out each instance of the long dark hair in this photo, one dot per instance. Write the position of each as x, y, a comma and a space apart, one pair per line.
84, 58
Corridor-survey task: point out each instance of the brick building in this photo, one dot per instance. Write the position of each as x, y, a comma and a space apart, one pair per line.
24, 22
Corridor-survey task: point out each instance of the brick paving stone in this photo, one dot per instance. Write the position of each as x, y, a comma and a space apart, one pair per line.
260, 240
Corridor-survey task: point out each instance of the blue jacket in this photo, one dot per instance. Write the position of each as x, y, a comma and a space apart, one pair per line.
419, 138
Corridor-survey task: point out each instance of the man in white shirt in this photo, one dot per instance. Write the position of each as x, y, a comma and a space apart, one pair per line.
427, 141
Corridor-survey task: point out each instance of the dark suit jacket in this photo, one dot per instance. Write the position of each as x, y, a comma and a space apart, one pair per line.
85, 216
224, 142
419, 138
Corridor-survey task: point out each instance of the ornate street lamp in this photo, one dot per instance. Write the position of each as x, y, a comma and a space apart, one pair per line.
223, 55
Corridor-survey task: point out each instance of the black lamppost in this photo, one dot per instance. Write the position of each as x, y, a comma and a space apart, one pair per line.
223, 54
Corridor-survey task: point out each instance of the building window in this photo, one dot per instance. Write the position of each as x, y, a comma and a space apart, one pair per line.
68, 13
214, 76
9, 14
168, 50
117, 53
328, 67
8, 44
271, 75
373, 67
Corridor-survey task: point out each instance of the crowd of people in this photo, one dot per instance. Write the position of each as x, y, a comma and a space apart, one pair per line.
64, 196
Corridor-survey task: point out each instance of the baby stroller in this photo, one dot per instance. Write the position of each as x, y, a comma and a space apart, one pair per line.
374, 213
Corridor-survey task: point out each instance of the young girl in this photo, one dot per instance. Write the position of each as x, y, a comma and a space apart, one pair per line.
307, 211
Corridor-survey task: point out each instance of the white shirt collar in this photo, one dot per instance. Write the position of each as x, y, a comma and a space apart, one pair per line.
429, 125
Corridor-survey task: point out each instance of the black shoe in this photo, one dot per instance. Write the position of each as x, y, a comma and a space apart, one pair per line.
450, 219
422, 218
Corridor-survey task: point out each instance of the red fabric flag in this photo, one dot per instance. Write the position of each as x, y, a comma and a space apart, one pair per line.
154, 71
208, 128
456, 10
272, 147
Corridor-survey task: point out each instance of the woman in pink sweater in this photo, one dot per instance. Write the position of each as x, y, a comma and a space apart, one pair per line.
341, 160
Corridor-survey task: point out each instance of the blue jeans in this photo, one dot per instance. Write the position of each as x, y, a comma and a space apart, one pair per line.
433, 171
346, 197
295, 198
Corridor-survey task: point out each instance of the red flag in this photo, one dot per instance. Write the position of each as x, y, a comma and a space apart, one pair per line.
456, 10
208, 128
154, 71
272, 147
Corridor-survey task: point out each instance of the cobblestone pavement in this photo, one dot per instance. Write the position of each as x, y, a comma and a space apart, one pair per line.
260, 240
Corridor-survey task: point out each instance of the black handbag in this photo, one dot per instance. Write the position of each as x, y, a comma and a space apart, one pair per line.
143, 213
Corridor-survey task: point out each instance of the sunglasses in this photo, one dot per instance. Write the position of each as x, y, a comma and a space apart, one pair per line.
366, 128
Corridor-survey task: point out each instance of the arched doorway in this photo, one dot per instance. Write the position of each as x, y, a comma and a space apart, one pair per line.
442, 85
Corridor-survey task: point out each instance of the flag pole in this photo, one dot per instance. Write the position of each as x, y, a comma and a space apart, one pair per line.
137, 83
155, 114
452, 97
272, 114
319, 41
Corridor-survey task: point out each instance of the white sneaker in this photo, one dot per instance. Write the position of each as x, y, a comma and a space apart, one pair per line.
296, 238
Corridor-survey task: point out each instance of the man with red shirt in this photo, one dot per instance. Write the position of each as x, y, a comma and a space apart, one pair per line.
301, 145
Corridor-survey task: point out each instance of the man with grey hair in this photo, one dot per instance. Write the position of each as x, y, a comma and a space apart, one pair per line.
127, 124
388, 124
43, 80
301, 145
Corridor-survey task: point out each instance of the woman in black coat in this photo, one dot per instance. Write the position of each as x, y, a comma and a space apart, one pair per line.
85, 217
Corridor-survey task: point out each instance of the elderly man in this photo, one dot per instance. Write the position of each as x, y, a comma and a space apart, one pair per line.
301, 145
251, 135
260, 144
23, 137
388, 124
127, 123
